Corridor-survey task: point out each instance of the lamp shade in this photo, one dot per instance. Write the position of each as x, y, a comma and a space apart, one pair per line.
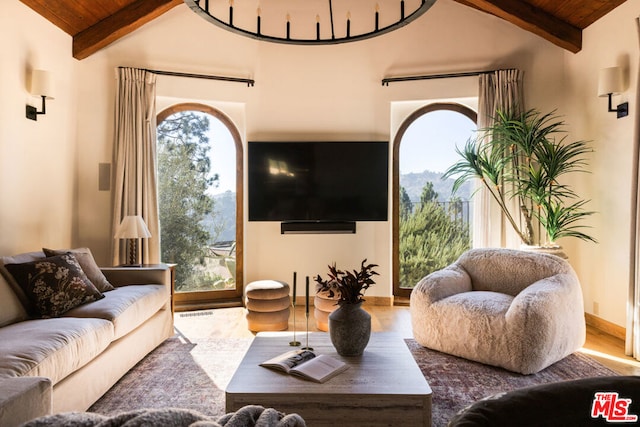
41, 84
610, 81
132, 227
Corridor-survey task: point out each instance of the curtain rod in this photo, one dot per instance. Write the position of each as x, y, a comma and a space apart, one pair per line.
249, 82
386, 81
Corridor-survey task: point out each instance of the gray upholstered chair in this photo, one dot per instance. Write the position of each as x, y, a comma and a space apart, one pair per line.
518, 310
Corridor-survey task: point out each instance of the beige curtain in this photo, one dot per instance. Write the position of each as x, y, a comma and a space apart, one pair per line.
135, 189
500, 90
632, 342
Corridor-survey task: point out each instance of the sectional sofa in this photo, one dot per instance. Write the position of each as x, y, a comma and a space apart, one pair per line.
69, 330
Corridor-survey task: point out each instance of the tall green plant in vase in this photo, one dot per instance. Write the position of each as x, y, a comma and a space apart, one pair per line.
525, 157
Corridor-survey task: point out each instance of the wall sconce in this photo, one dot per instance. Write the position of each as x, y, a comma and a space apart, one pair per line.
133, 228
610, 83
40, 86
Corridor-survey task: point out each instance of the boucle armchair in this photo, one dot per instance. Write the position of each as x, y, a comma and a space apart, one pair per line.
518, 310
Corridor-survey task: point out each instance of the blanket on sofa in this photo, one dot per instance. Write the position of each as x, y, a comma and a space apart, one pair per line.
248, 416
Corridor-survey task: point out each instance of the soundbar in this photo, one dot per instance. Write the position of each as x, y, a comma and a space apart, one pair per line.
318, 227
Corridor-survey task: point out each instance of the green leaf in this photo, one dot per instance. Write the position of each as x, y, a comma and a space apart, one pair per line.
524, 156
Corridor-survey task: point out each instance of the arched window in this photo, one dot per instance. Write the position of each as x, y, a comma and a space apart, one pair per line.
431, 226
200, 202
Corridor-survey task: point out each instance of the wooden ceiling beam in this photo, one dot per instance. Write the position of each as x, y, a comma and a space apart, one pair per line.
530, 18
118, 25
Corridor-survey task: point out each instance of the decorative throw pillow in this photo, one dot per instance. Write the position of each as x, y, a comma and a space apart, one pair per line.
88, 264
54, 284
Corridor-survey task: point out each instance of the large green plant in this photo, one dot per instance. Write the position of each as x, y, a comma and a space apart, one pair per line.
525, 157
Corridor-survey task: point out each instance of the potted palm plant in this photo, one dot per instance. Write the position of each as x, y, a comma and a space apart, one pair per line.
524, 157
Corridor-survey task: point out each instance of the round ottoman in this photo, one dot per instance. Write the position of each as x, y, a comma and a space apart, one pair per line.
323, 306
267, 303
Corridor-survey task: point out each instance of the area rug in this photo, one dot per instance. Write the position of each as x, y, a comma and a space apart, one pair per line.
194, 375
178, 374
457, 382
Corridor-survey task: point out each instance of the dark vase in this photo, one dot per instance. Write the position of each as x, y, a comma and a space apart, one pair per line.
350, 329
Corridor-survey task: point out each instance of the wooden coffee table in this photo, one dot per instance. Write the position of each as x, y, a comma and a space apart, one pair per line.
383, 387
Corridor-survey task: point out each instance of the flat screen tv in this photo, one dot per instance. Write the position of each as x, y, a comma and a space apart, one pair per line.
318, 181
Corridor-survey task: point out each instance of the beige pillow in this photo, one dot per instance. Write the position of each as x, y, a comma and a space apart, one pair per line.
17, 259
88, 264
11, 309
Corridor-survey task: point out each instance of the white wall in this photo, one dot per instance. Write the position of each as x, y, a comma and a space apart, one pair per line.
37, 158
604, 267
325, 91
331, 92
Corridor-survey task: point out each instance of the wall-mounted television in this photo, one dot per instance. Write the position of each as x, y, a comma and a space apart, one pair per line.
318, 181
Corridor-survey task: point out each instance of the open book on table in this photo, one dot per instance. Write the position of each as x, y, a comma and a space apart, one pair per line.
306, 364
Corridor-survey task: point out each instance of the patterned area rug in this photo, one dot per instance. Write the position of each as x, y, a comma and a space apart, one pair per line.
193, 375
178, 374
457, 382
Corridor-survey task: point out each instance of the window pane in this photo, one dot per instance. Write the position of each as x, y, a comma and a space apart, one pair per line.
196, 174
434, 223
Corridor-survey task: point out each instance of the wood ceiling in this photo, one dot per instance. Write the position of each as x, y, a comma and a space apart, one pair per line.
94, 24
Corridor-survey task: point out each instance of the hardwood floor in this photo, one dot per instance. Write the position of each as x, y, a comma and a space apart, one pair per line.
609, 351
230, 322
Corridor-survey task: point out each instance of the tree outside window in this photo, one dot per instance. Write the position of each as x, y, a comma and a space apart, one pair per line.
191, 219
434, 226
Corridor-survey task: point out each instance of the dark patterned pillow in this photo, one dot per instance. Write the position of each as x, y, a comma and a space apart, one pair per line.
88, 264
54, 285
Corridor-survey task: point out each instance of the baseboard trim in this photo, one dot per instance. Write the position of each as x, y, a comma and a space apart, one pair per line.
605, 326
378, 301
401, 301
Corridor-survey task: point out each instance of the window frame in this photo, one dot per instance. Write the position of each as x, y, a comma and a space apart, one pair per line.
401, 295
228, 298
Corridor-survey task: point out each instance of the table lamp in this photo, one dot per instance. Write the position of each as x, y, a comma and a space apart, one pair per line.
133, 228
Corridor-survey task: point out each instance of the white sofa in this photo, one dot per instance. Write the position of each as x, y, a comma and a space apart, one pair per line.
518, 310
66, 363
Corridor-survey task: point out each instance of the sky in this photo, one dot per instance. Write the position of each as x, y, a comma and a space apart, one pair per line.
428, 144
222, 154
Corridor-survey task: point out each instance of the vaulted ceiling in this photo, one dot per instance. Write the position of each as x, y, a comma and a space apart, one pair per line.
94, 24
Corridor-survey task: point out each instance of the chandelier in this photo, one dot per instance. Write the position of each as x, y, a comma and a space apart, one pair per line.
310, 22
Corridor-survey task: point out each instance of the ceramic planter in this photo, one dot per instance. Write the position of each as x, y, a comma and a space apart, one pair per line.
350, 329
